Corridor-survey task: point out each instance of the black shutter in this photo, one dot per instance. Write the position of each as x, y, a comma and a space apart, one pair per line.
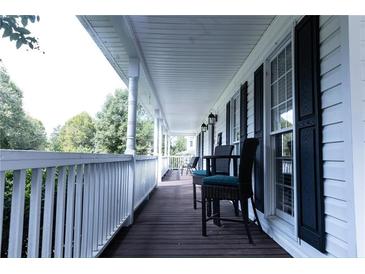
243, 113
228, 123
259, 124
308, 133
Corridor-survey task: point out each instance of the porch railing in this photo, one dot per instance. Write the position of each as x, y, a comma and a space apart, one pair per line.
164, 165
77, 201
177, 162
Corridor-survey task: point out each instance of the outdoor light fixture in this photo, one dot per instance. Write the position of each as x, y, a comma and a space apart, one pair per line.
212, 119
204, 127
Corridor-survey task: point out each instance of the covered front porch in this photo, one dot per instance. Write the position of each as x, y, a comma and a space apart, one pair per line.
245, 71
166, 225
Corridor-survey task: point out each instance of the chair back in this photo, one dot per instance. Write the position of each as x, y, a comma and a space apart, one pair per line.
222, 165
194, 161
247, 158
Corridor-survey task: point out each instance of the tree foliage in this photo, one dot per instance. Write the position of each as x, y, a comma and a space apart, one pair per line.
111, 126
14, 27
17, 130
76, 135
179, 145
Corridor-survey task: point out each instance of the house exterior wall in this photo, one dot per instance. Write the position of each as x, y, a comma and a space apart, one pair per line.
355, 81
338, 185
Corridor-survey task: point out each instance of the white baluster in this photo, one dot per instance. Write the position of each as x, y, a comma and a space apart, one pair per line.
96, 175
105, 203
35, 214
78, 211
101, 204
17, 215
48, 213
85, 212
60, 212
70, 211
91, 194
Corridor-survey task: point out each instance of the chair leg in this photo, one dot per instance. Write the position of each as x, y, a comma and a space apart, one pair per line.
235, 205
194, 195
216, 212
209, 206
255, 212
245, 221
204, 216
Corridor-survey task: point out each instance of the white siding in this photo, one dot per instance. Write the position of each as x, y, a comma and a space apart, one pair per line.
336, 206
335, 185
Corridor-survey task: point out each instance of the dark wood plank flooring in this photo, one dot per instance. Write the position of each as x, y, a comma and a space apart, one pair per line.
168, 226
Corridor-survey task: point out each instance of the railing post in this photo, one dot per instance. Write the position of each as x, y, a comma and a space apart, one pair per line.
17, 215
131, 184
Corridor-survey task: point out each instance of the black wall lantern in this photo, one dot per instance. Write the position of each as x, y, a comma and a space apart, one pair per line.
212, 119
204, 127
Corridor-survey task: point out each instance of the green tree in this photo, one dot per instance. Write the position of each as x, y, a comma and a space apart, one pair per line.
14, 27
178, 146
17, 130
111, 126
54, 143
144, 134
77, 135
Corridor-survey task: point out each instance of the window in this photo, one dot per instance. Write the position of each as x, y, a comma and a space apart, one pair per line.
281, 131
281, 90
236, 119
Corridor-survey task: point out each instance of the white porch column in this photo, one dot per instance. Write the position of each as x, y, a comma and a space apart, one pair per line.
160, 137
133, 74
166, 144
159, 150
155, 132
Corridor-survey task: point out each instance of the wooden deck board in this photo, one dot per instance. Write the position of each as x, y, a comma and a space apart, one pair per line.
168, 226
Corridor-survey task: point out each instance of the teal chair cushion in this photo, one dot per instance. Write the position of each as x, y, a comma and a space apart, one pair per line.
200, 172
221, 180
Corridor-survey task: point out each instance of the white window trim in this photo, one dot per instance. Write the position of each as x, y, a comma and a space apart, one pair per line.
234, 97
270, 207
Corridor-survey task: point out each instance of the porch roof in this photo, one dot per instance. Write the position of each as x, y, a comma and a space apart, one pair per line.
186, 61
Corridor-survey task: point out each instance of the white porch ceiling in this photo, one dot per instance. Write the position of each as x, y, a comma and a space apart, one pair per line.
187, 60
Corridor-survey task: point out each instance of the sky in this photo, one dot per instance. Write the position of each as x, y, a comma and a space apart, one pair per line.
70, 77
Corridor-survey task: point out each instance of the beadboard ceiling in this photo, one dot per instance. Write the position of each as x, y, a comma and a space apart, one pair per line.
187, 61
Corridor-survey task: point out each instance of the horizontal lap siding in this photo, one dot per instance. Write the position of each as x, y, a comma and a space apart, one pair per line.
335, 186
332, 102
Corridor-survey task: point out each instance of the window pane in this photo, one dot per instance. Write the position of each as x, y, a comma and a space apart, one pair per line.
289, 84
275, 119
284, 173
279, 197
289, 114
281, 63
286, 144
274, 94
274, 70
281, 90
282, 114
288, 57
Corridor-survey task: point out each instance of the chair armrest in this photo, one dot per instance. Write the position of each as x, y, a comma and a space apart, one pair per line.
221, 157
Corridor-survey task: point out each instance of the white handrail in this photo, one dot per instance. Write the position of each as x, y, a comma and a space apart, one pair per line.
87, 198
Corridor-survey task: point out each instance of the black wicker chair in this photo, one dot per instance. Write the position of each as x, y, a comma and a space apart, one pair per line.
221, 168
191, 166
220, 187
